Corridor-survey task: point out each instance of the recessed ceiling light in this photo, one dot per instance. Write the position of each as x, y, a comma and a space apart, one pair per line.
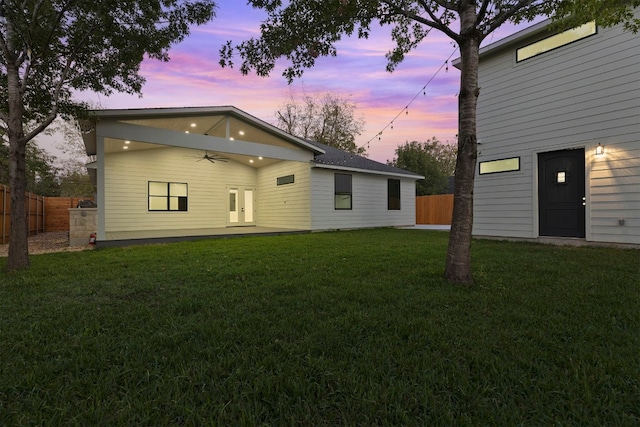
127, 142
186, 131
125, 148
260, 158
241, 132
193, 125
232, 139
251, 161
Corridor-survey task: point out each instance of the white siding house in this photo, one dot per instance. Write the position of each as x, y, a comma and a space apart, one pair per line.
546, 106
188, 172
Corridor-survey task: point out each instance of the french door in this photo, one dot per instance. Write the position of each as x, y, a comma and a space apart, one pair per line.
241, 206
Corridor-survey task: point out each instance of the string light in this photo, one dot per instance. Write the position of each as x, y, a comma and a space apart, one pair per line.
423, 90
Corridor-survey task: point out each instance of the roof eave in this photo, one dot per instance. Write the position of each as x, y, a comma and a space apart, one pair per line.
509, 40
369, 171
183, 111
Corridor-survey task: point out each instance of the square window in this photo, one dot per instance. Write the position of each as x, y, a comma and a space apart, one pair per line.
167, 196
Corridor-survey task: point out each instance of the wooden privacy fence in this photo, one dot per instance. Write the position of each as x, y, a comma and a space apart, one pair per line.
35, 213
434, 209
57, 212
43, 213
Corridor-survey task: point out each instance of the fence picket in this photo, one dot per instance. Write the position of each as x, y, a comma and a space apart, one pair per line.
43, 213
436, 209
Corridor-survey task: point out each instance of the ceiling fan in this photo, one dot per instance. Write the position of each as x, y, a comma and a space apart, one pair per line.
212, 158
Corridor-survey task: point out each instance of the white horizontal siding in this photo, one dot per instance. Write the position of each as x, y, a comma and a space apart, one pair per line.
289, 205
369, 202
576, 96
126, 189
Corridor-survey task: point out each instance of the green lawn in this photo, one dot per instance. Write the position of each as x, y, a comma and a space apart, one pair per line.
325, 329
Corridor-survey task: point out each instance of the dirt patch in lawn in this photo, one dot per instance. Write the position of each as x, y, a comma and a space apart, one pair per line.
57, 241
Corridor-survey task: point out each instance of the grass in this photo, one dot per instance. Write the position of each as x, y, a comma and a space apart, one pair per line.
345, 328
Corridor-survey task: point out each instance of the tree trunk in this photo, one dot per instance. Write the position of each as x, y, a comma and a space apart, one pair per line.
458, 263
19, 234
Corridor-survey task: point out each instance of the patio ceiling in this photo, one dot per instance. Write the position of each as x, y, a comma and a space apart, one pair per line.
114, 145
234, 134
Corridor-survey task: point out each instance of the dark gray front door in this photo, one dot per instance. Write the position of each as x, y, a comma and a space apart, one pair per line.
561, 194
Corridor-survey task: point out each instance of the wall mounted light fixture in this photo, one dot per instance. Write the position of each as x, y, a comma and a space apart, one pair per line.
599, 150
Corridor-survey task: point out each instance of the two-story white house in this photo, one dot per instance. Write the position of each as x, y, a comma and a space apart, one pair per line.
559, 136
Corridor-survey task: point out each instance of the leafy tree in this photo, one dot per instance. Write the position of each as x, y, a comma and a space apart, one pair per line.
303, 30
328, 119
42, 176
73, 174
572, 13
432, 159
51, 48
40, 170
74, 183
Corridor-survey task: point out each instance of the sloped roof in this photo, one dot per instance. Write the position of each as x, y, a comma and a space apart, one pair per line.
180, 119
334, 158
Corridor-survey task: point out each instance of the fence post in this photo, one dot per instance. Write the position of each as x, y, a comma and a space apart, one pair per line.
4, 211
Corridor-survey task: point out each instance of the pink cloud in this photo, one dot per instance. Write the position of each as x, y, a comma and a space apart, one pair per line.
193, 77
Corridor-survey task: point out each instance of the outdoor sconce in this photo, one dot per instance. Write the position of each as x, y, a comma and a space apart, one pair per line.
599, 150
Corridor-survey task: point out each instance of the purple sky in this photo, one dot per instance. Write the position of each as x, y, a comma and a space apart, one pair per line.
194, 78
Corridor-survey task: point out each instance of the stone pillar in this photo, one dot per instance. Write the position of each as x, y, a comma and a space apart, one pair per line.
82, 222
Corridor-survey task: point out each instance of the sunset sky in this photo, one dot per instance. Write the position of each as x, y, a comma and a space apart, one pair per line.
193, 77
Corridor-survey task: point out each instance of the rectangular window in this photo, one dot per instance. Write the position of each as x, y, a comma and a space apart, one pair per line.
497, 166
556, 41
284, 180
342, 191
393, 194
167, 196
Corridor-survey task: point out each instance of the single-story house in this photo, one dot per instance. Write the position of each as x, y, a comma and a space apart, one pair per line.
203, 171
559, 136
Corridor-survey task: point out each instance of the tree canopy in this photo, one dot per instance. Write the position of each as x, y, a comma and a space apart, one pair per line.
51, 49
41, 172
432, 159
325, 118
606, 12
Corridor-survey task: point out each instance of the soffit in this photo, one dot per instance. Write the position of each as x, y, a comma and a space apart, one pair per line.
114, 145
221, 126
